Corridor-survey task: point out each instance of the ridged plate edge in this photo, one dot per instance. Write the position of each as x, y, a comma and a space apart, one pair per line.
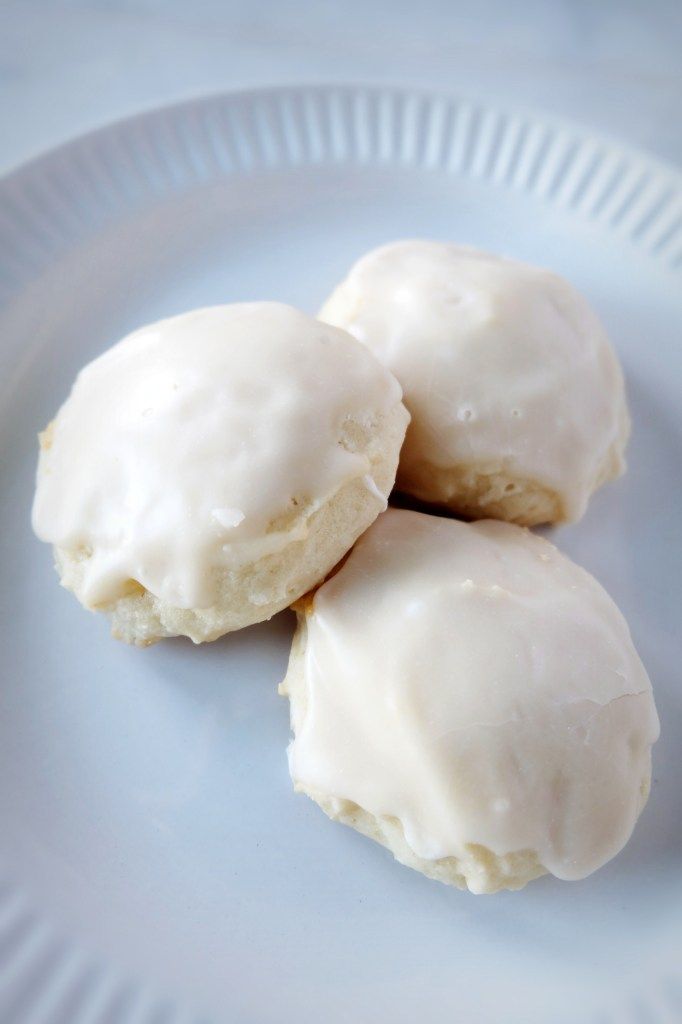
60, 199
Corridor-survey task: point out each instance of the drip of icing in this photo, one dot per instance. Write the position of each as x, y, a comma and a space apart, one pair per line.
371, 486
228, 517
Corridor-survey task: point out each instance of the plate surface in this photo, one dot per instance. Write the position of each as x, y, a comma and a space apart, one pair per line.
155, 867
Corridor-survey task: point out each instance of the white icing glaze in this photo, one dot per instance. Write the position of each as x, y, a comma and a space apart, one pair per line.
179, 447
500, 362
472, 682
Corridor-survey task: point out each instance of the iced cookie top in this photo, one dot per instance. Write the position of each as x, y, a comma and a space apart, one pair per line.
471, 682
502, 364
189, 446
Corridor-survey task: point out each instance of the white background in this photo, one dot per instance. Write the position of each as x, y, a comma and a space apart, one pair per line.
70, 65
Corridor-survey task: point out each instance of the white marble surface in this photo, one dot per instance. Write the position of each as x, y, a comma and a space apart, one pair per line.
70, 65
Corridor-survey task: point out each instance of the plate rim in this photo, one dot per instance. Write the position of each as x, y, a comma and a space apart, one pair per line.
531, 113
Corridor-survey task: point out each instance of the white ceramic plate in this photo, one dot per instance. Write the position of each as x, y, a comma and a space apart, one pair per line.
156, 867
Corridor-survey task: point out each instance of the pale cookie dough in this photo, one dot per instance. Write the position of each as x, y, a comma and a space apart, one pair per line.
517, 398
470, 698
209, 469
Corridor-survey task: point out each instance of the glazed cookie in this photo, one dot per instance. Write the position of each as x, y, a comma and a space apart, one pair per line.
517, 398
488, 719
209, 469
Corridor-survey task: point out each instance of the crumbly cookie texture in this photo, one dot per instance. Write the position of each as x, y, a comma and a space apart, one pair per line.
489, 720
211, 468
516, 395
